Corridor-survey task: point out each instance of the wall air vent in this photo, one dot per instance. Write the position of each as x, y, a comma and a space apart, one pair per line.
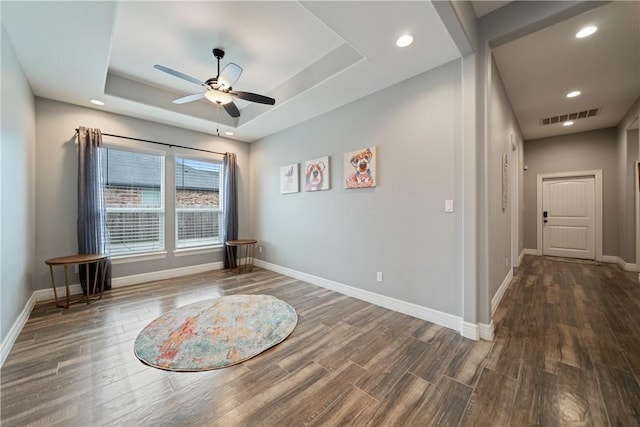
570, 116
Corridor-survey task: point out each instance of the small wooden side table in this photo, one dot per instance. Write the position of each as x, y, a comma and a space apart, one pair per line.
249, 246
81, 259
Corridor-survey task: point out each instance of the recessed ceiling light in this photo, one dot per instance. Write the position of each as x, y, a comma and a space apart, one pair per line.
586, 31
97, 102
573, 94
569, 123
404, 40
228, 133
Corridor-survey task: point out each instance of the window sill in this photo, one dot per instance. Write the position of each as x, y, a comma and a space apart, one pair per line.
197, 251
124, 259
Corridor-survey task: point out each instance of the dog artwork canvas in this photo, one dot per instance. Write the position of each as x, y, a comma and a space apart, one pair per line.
289, 179
317, 174
360, 168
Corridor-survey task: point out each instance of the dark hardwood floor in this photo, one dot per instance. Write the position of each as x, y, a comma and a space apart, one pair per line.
566, 352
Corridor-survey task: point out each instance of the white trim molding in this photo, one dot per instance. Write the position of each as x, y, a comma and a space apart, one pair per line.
467, 330
495, 301
16, 328
627, 266
118, 282
486, 331
135, 279
481, 331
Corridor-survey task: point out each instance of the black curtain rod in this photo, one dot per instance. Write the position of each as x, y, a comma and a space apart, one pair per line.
161, 143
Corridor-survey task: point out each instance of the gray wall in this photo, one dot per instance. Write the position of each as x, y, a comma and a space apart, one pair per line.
400, 227
17, 189
575, 152
503, 128
56, 180
628, 153
627, 219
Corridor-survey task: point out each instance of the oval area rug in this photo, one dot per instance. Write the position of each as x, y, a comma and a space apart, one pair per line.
215, 333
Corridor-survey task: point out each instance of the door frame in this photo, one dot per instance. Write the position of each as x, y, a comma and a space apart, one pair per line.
597, 174
637, 186
514, 196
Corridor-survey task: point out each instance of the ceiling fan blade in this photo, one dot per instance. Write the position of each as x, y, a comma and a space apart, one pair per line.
231, 109
178, 74
253, 97
229, 75
188, 98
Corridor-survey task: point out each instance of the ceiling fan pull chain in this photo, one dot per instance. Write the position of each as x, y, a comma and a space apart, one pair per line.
218, 120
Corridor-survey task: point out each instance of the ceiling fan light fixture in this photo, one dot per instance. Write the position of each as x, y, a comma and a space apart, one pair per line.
567, 123
404, 40
586, 31
96, 102
228, 133
573, 94
218, 97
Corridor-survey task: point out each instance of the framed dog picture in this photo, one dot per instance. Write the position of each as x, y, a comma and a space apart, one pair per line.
316, 174
289, 179
360, 168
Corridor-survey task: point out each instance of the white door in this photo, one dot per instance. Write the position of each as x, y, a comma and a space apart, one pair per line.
569, 210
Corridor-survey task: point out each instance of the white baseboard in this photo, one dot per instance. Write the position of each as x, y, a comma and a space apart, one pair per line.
47, 294
495, 301
526, 251
486, 331
470, 330
15, 330
135, 279
475, 332
627, 266
467, 330
118, 282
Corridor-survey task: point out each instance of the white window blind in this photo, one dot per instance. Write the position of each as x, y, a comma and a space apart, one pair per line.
134, 193
198, 203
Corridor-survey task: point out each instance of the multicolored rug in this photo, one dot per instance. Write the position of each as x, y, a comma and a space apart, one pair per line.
215, 333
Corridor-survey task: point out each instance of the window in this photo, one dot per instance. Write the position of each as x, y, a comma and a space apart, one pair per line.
198, 203
134, 195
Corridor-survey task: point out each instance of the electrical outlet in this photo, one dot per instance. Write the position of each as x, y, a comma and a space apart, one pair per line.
506, 262
259, 249
379, 276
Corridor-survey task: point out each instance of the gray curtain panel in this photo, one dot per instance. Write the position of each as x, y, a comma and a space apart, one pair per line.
92, 216
230, 204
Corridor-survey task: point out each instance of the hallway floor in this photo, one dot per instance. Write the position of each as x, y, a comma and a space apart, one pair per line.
567, 344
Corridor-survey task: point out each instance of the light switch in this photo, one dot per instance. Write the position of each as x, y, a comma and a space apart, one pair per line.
448, 205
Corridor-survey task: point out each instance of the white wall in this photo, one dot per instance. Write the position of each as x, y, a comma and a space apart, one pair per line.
400, 227
17, 180
56, 180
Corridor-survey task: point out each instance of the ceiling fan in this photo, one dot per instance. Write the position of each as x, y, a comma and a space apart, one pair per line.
219, 88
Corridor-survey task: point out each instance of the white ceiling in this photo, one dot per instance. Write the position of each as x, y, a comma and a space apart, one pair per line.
312, 57
539, 69
484, 7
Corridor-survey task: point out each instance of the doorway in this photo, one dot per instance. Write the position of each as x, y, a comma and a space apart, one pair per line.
570, 214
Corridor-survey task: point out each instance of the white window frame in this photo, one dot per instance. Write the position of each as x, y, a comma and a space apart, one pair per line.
193, 246
160, 251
